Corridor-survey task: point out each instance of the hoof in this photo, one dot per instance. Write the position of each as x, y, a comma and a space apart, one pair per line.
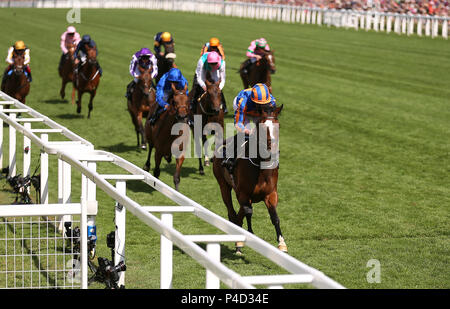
238, 251
143, 147
78, 110
239, 244
282, 245
201, 172
207, 163
168, 158
146, 168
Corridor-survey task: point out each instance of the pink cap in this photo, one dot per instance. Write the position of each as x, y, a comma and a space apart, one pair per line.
214, 57
71, 29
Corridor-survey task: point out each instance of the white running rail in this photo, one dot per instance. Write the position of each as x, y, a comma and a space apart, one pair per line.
81, 156
402, 24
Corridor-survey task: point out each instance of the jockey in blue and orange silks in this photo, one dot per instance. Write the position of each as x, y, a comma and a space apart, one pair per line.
145, 59
247, 100
164, 90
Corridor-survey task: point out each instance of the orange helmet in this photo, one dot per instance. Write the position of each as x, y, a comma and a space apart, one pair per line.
214, 42
260, 94
19, 45
166, 37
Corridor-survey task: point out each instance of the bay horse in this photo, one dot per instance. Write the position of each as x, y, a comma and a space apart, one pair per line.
252, 182
142, 99
260, 71
87, 79
160, 135
167, 61
17, 84
66, 69
209, 108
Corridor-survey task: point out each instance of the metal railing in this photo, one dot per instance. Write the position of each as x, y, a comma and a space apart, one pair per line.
81, 156
407, 24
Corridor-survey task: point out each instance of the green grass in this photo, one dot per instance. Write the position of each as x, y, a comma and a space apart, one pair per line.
364, 169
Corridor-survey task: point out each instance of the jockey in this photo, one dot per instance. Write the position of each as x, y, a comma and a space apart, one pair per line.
213, 45
255, 51
164, 90
213, 64
144, 59
247, 100
81, 52
161, 38
17, 49
69, 37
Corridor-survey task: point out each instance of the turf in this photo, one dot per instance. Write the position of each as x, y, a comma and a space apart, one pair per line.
364, 168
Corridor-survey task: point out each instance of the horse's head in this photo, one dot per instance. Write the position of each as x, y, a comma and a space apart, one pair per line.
71, 50
91, 53
213, 96
267, 119
19, 59
145, 80
270, 58
180, 103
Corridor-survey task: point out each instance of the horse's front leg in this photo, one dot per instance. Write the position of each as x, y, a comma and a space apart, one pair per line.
271, 202
62, 92
91, 106
80, 94
176, 176
141, 131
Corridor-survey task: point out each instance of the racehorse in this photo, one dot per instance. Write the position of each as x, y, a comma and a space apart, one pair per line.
66, 69
166, 62
260, 71
17, 84
160, 135
87, 79
142, 98
209, 107
254, 179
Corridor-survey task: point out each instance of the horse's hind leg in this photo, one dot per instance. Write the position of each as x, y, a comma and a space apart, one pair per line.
141, 132
79, 102
271, 202
62, 92
158, 157
147, 163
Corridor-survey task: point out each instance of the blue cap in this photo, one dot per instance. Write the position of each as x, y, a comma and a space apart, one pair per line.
174, 75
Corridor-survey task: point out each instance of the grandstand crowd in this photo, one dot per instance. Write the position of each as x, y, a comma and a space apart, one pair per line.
423, 7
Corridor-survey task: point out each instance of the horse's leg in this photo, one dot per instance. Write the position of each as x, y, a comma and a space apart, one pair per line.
200, 165
79, 101
158, 157
207, 162
147, 163
74, 90
176, 176
62, 92
271, 202
141, 131
91, 106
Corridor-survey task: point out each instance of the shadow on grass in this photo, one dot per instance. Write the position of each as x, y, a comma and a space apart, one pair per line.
55, 101
70, 116
121, 148
226, 254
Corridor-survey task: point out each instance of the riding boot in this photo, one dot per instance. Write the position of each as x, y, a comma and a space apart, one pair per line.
224, 104
130, 89
159, 110
28, 70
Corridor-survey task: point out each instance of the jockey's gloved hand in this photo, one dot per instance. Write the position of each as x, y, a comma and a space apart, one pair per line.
166, 107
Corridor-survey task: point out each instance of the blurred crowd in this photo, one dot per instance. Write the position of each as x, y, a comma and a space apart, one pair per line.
423, 7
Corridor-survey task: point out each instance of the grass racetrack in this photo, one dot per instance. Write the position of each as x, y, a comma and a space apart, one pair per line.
365, 131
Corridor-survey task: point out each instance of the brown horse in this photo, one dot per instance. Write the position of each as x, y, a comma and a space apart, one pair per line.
87, 79
160, 135
254, 180
209, 108
260, 71
17, 84
142, 99
167, 61
66, 70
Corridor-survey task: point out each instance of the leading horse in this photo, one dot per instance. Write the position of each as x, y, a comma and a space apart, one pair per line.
87, 79
142, 99
254, 179
260, 71
159, 135
17, 84
66, 69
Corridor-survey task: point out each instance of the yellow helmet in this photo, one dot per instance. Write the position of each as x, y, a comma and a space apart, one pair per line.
166, 37
19, 45
214, 42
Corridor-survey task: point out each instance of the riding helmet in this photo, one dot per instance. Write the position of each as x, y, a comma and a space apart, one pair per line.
260, 94
166, 37
19, 45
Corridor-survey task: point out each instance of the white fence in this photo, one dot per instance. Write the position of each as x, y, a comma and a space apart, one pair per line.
422, 25
80, 155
